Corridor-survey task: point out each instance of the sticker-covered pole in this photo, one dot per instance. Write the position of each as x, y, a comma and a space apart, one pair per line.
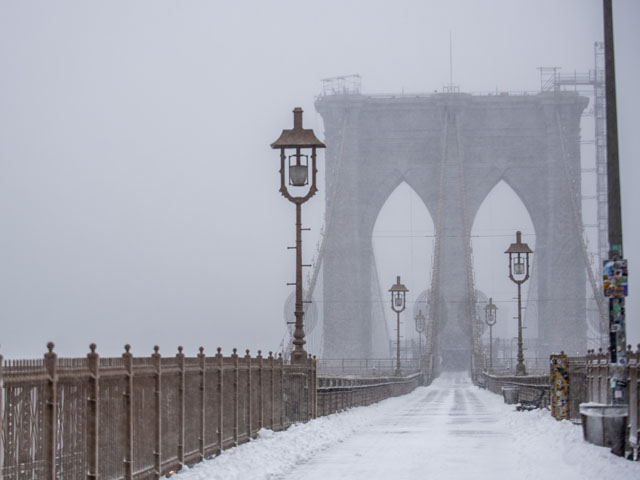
617, 327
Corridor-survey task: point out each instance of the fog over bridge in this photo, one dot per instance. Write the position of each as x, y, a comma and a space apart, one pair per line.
451, 149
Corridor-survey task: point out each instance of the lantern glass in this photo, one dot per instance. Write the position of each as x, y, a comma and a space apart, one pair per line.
518, 267
398, 300
298, 175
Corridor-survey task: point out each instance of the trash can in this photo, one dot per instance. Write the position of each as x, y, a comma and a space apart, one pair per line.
510, 395
605, 425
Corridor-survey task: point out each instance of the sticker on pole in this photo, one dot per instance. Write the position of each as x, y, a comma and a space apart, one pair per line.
614, 278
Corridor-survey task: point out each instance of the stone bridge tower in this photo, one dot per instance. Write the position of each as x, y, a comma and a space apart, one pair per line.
452, 149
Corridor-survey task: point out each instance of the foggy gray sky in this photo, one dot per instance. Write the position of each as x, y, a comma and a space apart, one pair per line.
138, 194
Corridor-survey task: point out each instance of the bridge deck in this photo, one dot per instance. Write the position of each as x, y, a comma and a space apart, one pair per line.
450, 430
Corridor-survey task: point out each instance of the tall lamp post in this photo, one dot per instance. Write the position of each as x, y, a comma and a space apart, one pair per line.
420, 328
519, 273
490, 317
398, 304
296, 146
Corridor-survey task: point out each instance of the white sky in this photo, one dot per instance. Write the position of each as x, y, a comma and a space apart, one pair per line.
138, 194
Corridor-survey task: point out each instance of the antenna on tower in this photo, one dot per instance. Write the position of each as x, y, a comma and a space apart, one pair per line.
451, 88
450, 63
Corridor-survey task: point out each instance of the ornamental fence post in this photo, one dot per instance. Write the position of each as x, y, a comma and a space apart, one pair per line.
127, 360
247, 360
236, 374
1, 414
51, 412
202, 362
260, 391
156, 361
220, 359
181, 405
633, 360
271, 393
93, 414
283, 410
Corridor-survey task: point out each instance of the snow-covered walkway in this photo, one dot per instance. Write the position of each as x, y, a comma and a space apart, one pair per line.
449, 430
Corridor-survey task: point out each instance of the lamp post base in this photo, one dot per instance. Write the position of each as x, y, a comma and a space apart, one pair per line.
298, 357
521, 370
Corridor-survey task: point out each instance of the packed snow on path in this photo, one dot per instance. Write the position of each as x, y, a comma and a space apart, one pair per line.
450, 430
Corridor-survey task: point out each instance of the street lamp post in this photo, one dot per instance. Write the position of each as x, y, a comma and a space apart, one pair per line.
490, 317
398, 304
519, 273
420, 328
294, 145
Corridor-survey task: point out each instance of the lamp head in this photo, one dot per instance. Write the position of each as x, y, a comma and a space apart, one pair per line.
398, 295
296, 146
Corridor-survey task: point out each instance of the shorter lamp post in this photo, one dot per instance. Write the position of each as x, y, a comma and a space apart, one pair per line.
297, 146
398, 304
490, 311
420, 328
519, 273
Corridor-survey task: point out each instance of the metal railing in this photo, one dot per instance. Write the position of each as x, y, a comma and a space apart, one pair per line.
367, 367
141, 417
596, 366
588, 379
529, 385
338, 394
507, 366
145, 417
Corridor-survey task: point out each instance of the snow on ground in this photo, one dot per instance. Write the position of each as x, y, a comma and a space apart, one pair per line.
450, 430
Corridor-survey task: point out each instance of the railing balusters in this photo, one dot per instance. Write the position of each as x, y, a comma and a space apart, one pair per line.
274, 395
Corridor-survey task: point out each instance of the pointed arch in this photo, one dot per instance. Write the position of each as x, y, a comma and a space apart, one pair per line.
502, 213
402, 240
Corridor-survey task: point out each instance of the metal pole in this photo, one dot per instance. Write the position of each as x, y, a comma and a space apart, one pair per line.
490, 348
613, 172
520, 368
299, 355
617, 323
398, 344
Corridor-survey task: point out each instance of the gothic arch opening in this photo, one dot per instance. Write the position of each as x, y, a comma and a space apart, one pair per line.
500, 215
402, 239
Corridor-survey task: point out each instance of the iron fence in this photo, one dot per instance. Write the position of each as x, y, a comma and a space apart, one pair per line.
139, 417
507, 366
366, 366
597, 387
145, 417
336, 394
529, 386
588, 379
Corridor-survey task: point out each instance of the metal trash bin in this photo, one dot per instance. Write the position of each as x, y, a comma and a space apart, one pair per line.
510, 395
605, 425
